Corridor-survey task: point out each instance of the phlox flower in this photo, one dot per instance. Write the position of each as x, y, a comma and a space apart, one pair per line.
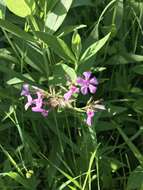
29, 102
88, 83
37, 103
72, 91
90, 114
25, 90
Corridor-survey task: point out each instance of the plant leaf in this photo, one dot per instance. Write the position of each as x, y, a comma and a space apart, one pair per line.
94, 48
58, 45
135, 180
138, 69
61, 73
13, 29
56, 17
21, 8
2, 9
19, 179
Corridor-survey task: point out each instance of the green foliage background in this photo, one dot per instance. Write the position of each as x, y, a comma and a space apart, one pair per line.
40, 42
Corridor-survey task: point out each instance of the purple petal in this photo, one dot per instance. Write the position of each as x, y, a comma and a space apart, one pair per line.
84, 90
90, 114
87, 75
27, 105
25, 90
29, 102
68, 95
89, 121
74, 89
80, 81
92, 88
94, 81
39, 95
40, 110
38, 101
37, 109
45, 113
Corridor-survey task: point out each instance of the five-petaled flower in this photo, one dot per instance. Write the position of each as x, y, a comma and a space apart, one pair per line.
88, 83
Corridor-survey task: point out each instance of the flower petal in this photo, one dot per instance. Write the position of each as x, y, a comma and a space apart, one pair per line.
29, 102
38, 101
90, 114
27, 105
87, 75
29, 98
84, 90
80, 81
45, 113
92, 88
68, 95
74, 89
94, 81
40, 110
37, 109
89, 121
25, 90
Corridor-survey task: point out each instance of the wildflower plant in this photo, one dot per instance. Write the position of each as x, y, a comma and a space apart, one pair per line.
67, 71
85, 85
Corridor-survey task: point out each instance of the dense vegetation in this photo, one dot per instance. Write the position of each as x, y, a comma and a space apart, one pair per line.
89, 134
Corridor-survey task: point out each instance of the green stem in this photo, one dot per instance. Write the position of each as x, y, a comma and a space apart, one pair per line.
133, 148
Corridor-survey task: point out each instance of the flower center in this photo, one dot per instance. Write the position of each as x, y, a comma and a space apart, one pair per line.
87, 82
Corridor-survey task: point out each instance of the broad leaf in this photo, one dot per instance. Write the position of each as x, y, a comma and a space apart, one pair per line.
94, 48
62, 73
21, 8
78, 3
138, 69
135, 180
56, 17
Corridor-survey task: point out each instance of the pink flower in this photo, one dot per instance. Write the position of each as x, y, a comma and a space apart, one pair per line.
25, 90
90, 115
38, 105
29, 102
87, 83
72, 91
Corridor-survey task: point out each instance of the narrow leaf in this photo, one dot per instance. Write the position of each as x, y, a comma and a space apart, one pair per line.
58, 45
2, 9
13, 29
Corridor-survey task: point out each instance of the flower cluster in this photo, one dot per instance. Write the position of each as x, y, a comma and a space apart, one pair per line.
39, 100
86, 84
37, 103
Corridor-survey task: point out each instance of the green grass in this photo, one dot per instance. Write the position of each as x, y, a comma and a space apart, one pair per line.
61, 152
